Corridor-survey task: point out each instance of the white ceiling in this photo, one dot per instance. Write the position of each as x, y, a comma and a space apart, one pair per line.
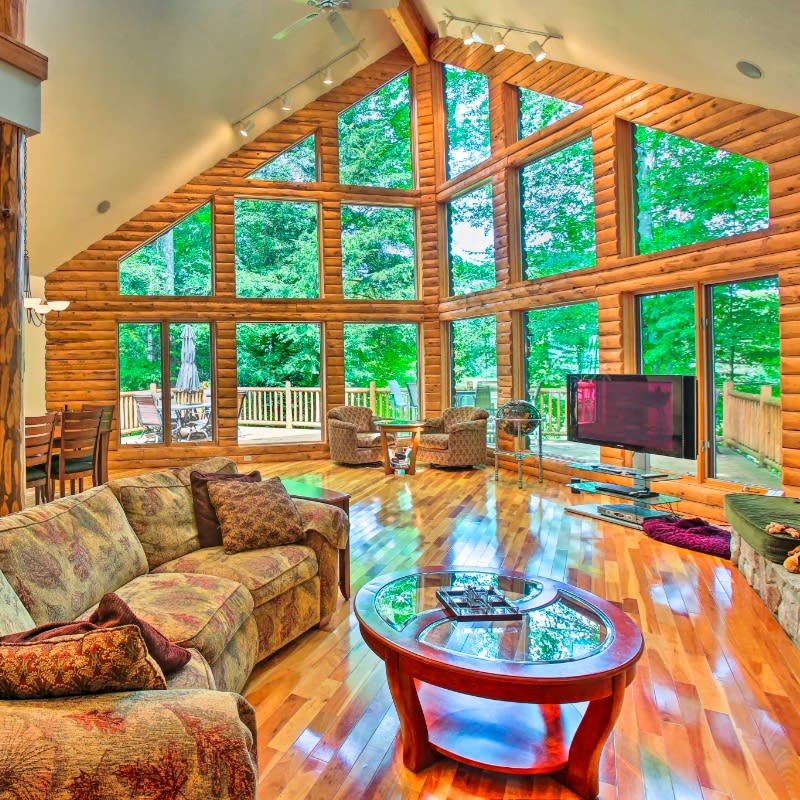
141, 93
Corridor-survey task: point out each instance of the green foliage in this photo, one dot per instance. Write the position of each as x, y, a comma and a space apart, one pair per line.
557, 194
380, 353
277, 248
470, 223
474, 348
687, 192
560, 340
202, 346
176, 263
378, 253
375, 138
297, 164
139, 355
269, 354
537, 111
667, 333
467, 100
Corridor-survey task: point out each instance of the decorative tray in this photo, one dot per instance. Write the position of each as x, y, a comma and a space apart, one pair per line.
471, 604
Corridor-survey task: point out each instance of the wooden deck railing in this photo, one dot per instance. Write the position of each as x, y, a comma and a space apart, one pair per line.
284, 406
752, 423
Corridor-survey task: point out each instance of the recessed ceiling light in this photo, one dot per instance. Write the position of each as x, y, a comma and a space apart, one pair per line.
103, 206
749, 69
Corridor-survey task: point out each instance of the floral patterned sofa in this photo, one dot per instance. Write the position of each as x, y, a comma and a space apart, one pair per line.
137, 537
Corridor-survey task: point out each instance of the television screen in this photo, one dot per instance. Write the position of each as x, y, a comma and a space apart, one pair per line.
644, 413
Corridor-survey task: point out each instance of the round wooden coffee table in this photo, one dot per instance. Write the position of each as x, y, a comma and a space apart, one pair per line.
459, 686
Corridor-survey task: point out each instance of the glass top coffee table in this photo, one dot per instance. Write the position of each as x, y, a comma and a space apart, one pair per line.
499, 694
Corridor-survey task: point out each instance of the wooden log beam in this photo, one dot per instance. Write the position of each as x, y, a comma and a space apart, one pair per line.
408, 23
12, 470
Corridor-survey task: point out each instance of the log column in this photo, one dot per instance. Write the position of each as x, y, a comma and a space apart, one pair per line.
12, 473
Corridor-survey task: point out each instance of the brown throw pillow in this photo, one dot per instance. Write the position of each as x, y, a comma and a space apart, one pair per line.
255, 515
105, 660
112, 612
208, 528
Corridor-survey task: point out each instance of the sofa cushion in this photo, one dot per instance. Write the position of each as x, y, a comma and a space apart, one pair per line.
254, 515
196, 674
266, 572
205, 517
13, 615
368, 440
749, 514
196, 611
159, 508
106, 660
435, 441
62, 557
216, 464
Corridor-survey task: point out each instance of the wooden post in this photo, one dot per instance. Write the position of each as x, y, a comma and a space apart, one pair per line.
12, 182
728, 432
288, 395
372, 397
764, 428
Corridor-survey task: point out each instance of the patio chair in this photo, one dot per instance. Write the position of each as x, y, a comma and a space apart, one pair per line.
456, 439
149, 416
483, 396
38, 455
400, 404
75, 461
354, 439
413, 394
103, 440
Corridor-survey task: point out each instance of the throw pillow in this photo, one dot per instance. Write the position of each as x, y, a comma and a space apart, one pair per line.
106, 660
208, 529
254, 515
112, 612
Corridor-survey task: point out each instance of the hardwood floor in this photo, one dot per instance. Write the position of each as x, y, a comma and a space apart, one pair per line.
712, 713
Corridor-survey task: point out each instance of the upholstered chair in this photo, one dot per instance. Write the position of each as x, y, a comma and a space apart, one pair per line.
353, 437
456, 439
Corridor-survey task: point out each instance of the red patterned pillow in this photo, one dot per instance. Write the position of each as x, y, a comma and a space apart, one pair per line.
105, 660
208, 529
254, 515
111, 612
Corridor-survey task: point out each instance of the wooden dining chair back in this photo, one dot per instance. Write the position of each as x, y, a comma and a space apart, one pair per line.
38, 454
103, 440
76, 459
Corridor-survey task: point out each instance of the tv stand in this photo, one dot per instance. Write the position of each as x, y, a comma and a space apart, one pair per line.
642, 498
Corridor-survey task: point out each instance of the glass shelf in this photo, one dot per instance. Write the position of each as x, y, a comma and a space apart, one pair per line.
626, 472
591, 488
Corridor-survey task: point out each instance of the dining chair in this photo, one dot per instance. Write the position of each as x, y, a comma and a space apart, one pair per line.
103, 440
38, 454
76, 459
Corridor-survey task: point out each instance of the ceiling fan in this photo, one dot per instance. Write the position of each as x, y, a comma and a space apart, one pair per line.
330, 10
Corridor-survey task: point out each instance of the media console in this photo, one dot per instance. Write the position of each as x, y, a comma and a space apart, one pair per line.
642, 498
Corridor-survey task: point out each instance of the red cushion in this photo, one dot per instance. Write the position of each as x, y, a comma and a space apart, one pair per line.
111, 612
208, 529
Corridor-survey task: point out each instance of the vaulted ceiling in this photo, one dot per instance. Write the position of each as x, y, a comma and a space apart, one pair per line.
142, 93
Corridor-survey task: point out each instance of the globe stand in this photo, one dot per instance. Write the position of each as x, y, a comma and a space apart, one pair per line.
518, 419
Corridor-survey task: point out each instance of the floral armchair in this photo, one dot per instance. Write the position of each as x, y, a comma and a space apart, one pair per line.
353, 437
456, 439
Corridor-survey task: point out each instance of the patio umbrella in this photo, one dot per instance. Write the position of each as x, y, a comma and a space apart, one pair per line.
188, 376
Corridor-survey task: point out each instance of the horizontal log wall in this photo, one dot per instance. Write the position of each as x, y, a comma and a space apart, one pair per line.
81, 355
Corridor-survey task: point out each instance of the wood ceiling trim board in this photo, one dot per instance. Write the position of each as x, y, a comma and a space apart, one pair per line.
23, 58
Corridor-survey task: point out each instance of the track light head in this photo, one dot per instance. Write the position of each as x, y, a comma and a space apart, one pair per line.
245, 126
466, 34
442, 25
286, 102
537, 51
499, 41
327, 76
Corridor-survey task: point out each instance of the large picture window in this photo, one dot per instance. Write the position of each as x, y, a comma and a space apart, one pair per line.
537, 111
470, 241
375, 138
381, 369
379, 253
297, 164
279, 392
560, 340
277, 248
467, 102
175, 264
687, 192
557, 197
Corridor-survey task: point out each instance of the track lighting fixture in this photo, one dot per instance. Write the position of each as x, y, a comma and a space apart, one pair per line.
470, 35
327, 76
245, 126
286, 102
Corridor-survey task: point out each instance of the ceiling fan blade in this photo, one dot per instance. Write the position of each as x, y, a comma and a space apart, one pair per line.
368, 5
340, 28
295, 25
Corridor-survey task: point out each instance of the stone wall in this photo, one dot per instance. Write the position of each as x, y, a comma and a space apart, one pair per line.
779, 589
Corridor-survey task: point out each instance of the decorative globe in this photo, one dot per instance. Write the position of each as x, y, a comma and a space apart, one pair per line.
518, 417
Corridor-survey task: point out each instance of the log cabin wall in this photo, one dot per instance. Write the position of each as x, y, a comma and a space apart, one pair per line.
81, 349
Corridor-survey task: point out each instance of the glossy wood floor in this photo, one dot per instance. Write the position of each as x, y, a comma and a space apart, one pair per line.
714, 712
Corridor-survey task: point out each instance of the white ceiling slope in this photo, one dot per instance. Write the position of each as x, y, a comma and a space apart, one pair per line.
142, 92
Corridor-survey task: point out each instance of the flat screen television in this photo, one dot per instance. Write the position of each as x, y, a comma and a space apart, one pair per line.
643, 413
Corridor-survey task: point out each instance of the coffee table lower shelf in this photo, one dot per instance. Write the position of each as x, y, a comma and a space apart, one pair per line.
515, 738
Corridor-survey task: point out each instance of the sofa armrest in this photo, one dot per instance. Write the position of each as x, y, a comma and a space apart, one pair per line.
191, 743
433, 425
330, 522
338, 423
472, 425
